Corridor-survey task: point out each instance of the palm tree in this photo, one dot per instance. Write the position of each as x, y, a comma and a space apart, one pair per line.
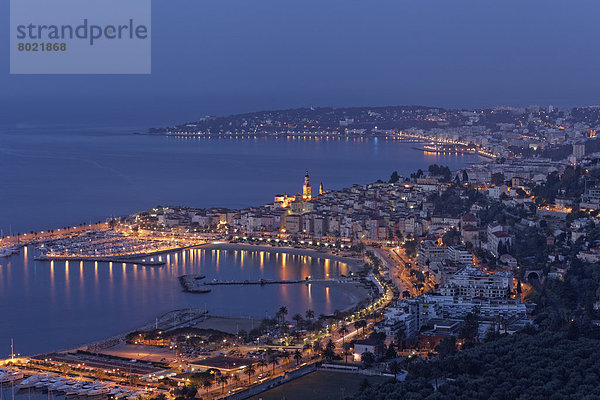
297, 356
250, 371
317, 348
286, 356
299, 320
262, 364
329, 351
306, 347
274, 360
347, 352
281, 313
310, 314
361, 324
206, 384
344, 331
223, 379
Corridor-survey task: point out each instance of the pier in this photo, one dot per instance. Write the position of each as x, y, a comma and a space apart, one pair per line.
275, 282
132, 261
191, 284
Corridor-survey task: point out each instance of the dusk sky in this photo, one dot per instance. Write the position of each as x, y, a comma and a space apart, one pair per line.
221, 57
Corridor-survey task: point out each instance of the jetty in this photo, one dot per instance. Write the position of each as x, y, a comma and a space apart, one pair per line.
191, 284
136, 261
275, 282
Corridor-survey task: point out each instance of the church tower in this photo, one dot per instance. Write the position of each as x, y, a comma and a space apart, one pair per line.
306, 191
321, 190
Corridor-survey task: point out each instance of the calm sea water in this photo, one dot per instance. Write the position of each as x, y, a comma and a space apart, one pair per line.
61, 176
53, 305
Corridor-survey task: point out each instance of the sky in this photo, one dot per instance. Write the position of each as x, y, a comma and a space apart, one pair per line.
228, 56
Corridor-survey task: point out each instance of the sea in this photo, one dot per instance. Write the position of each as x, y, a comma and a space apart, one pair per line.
57, 176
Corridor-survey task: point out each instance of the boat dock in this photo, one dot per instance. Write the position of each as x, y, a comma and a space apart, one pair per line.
136, 261
274, 282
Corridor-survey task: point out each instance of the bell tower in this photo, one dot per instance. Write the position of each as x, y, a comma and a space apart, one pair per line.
306, 190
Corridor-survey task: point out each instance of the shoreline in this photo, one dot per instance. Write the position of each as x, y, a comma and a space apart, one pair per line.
354, 290
351, 261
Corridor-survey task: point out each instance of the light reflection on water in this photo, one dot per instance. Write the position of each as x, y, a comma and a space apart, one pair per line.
47, 306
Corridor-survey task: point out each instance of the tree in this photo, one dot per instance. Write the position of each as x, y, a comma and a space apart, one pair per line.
281, 314
343, 331
261, 364
223, 379
286, 356
367, 358
390, 352
447, 346
451, 237
306, 347
465, 176
329, 352
188, 391
250, 371
470, 328
274, 361
317, 347
395, 368
361, 324
498, 178
394, 178
297, 356
298, 319
400, 338
310, 314
410, 246
206, 384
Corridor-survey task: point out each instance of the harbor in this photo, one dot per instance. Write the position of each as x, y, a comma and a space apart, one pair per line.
23, 380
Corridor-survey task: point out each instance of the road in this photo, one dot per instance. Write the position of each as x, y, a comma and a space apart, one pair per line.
398, 268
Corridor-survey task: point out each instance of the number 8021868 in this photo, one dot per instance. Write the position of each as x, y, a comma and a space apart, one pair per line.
42, 47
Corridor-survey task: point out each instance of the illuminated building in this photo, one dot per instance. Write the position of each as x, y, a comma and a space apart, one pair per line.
298, 202
306, 190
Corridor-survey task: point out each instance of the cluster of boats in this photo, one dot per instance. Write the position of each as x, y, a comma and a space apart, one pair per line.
8, 251
8, 375
72, 387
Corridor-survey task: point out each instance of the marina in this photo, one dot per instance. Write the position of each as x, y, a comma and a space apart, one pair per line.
97, 300
61, 385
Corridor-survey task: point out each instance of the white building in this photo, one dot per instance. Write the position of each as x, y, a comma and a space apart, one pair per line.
460, 254
471, 282
429, 252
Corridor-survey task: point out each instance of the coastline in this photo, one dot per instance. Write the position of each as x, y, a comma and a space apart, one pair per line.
354, 290
351, 261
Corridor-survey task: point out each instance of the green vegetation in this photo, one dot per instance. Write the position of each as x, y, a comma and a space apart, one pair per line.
571, 183
442, 171
545, 366
320, 385
451, 203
